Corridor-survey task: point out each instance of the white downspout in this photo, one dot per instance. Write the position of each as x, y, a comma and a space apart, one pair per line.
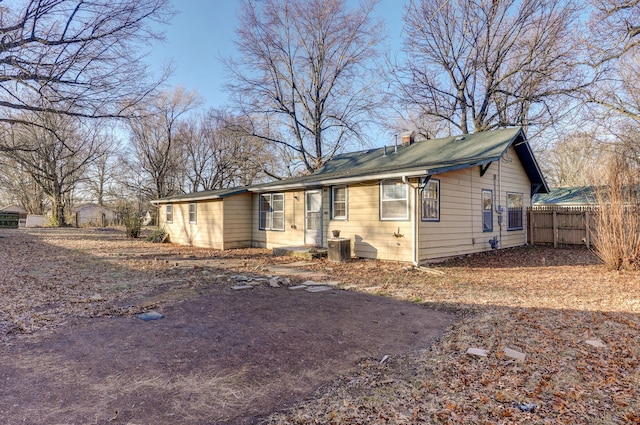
500, 207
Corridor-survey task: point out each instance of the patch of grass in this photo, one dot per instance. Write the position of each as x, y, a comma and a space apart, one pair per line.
191, 397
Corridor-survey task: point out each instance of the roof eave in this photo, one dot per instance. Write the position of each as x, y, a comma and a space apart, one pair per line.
541, 185
203, 197
414, 172
170, 200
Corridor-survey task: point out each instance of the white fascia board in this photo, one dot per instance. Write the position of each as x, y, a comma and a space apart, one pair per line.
199, 198
342, 180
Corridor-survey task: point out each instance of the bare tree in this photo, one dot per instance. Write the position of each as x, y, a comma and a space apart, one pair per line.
305, 75
157, 149
614, 54
576, 160
18, 186
74, 57
99, 184
219, 155
55, 159
477, 65
614, 29
200, 149
617, 239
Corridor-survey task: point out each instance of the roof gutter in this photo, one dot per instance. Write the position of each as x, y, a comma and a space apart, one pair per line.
194, 198
344, 180
199, 198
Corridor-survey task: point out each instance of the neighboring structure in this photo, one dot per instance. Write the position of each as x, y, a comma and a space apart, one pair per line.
564, 216
577, 196
34, 220
416, 202
93, 215
147, 219
13, 208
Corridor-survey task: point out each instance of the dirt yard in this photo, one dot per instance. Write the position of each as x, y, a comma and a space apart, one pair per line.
558, 334
74, 352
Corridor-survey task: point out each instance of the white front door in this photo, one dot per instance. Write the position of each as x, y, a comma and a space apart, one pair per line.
313, 218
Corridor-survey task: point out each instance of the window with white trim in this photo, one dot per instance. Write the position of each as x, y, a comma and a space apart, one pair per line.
431, 201
168, 213
487, 210
514, 211
394, 200
339, 202
271, 211
193, 213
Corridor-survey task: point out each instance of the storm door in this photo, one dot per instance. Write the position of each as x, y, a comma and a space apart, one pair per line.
313, 218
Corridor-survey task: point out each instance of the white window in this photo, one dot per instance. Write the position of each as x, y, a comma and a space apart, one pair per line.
394, 200
431, 201
271, 211
514, 211
193, 214
169, 213
487, 211
339, 202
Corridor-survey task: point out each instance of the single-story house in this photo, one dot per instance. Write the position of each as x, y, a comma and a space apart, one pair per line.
420, 201
575, 196
93, 215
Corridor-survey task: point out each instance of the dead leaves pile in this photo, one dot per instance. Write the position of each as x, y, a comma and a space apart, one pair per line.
511, 301
52, 275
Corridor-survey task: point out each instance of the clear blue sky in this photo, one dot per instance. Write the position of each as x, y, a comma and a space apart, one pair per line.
204, 30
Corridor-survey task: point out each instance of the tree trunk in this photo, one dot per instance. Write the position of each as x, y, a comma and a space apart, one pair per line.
57, 211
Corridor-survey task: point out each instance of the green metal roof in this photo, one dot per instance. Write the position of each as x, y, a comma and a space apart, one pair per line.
422, 158
201, 196
570, 196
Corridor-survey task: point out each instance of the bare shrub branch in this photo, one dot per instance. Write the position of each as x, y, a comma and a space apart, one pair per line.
617, 239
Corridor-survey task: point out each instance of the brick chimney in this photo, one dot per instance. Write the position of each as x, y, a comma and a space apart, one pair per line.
408, 137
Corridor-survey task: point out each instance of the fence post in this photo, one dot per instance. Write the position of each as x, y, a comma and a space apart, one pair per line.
531, 226
587, 230
555, 229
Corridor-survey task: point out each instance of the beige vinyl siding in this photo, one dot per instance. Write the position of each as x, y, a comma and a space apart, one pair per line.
371, 237
293, 233
453, 234
221, 223
206, 233
514, 180
237, 221
460, 228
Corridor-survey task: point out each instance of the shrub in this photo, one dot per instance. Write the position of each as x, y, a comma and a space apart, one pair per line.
157, 236
131, 220
617, 239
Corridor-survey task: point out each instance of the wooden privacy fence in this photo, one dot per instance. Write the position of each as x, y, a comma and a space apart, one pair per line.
9, 220
561, 225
